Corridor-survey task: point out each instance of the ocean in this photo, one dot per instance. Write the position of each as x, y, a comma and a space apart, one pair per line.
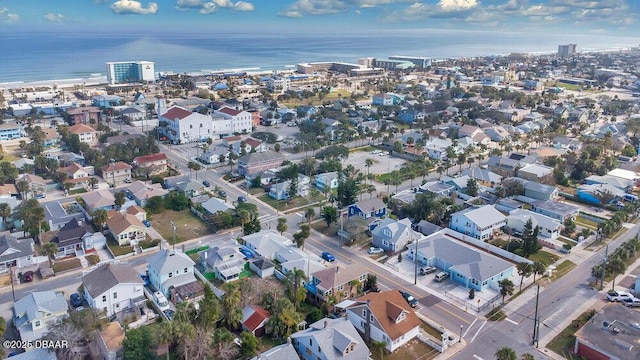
32, 57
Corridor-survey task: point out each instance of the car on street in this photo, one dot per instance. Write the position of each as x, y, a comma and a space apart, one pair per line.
327, 256
27, 276
242, 199
617, 295
375, 250
206, 183
413, 302
631, 302
76, 300
146, 223
41, 196
427, 270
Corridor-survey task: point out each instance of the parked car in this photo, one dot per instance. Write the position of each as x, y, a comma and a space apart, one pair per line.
441, 276
631, 302
375, 250
206, 183
161, 300
127, 180
616, 295
242, 199
222, 193
327, 256
146, 223
27, 276
76, 300
41, 196
410, 299
427, 270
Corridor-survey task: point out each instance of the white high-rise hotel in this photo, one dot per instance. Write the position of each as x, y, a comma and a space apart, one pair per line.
130, 72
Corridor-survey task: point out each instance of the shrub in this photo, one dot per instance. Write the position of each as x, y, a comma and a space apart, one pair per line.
472, 293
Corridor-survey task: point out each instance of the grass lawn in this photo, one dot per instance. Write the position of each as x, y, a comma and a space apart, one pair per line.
431, 330
92, 259
563, 343
586, 223
315, 100
145, 244
544, 256
188, 226
563, 268
285, 205
414, 349
119, 250
67, 265
267, 342
77, 191
367, 148
322, 227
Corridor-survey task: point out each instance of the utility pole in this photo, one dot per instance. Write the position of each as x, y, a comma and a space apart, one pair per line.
604, 267
173, 234
415, 260
536, 319
13, 291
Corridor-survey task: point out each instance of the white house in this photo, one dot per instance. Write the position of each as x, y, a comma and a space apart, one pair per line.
548, 227
168, 269
33, 313
113, 288
15, 253
480, 222
387, 316
330, 339
183, 125
241, 121
85, 133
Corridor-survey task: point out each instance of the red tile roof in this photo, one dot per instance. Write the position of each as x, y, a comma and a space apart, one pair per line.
176, 113
258, 317
253, 142
117, 166
230, 111
81, 129
150, 158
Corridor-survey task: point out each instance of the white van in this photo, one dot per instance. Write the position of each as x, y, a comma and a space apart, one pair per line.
161, 300
441, 276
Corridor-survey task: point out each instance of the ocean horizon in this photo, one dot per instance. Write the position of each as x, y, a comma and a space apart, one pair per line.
70, 56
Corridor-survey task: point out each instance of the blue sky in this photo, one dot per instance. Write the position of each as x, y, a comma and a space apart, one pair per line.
602, 17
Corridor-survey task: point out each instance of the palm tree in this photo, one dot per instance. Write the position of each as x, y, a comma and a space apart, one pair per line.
368, 163
506, 288
309, 214
92, 182
524, 269
100, 217
165, 335
506, 353
527, 356
381, 346
538, 269
119, 199
5, 212
23, 188
50, 250
616, 266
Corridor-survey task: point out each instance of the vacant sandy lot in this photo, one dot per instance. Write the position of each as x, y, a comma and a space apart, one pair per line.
381, 164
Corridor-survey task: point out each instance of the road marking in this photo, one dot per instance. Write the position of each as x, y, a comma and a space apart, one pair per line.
452, 314
511, 321
477, 357
469, 327
477, 332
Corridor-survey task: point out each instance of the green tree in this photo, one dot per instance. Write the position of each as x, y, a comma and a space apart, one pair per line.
249, 343
472, 187
530, 238
50, 250
32, 215
5, 212
397, 147
527, 356
506, 353
138, 344
506, 288
100, 218
231, 305
251, 227
283, 320
23, 189
616, 267
299, 239
155, 205
347, 191
538, 269
380, 346
524, 269
165, 335
8, 172
309, 214
368, 163
371, 283
329, 214
92, 182
282, 225
120, 199
569, 226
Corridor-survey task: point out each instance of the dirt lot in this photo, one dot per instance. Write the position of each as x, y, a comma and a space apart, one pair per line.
256, 287
188, 226
381, 164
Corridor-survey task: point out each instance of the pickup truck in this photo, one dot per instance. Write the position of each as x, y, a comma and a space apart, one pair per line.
616, 296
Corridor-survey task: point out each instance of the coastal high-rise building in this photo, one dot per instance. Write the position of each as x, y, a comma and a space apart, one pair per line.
566, 50
130, 72
419, 62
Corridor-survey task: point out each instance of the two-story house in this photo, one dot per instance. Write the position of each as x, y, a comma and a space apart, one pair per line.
99, 200
153, 164
70, 239
384, 316
365, 209
15, 252
540, 191
241, 121
281, 191
393, 235
169, 269
181, 125
548, 227
9, 131
225, 262
86, 133
126, 229
36, 311
330, 339
480, 223
327, 181
255, 163
77, 175
113, 288
84, 115
116, 172
341, 282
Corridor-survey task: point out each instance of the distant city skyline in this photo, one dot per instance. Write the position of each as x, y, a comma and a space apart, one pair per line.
601, 17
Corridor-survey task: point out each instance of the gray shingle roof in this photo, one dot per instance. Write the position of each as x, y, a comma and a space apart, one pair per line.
165, 261
484, 216
330, 335
37, 302
399, 229
12, 248
105, 277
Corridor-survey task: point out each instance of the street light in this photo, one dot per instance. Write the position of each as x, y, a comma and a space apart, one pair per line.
460, 337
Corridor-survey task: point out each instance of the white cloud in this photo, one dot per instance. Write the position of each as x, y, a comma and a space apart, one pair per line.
6, 16
54, 17
208, 8
315, 7
457, 5
133, 7
211, 6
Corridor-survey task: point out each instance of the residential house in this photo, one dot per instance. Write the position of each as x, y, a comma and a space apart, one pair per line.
561, 112
241, 121
327, 181
497, 133
254, 318
426, 228
610, 334
256, 145
37, 185
459, 183
596, 193
482, 176
86, 134
393, 235
51, 137
77, 175
437, 148
99, 200
153, 164
437, 187
113, 288
503, 166
536, 172
469, 131
341, 282
280, 191
579, 115
87, 115
215, 205
465, 264
137, 211
373, 207
141, 192
182, 125
108, 101
36, 311
255, 163
213, 154
414, 136
133, 114
557, 210
548, 227
409, 116
567, 143
480, 223
225, 262
386, 317
169, 269
58, 213
126, 229
109, 341
330, 339
620, 183
190, 188
382, 100
14, 252
539, 191
266, 243
116, 172
77, 237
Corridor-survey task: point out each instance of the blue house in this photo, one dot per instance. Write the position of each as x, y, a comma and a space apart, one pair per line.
382, 100
410, 115
108, 101
373, 207
10, 131
593, 193
465, 264
479, 223
327, 180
